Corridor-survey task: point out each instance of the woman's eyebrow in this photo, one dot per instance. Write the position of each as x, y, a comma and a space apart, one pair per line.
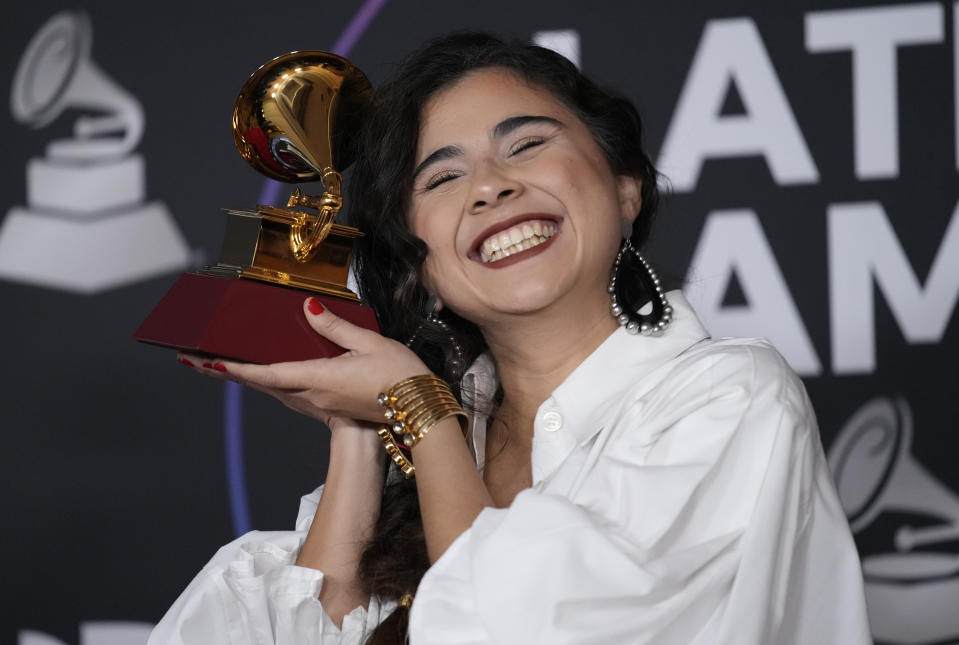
506, 126
500, 130
446, 152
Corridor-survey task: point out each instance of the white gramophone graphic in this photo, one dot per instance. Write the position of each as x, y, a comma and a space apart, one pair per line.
85, 227
912, 593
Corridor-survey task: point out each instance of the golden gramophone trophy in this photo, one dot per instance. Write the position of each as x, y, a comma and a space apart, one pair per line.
294, 121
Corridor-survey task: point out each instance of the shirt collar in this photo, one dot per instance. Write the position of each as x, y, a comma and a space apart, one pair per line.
478, 388
594, 389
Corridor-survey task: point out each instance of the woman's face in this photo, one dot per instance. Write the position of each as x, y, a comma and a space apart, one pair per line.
515, 201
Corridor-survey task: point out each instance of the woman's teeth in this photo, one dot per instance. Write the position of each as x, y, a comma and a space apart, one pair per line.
518, 238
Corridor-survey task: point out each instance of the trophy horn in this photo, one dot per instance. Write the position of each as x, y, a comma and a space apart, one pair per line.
295, 120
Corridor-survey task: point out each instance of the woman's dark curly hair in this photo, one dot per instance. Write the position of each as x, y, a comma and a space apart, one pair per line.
389, 258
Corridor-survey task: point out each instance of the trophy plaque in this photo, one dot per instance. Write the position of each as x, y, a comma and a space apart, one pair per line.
294, 121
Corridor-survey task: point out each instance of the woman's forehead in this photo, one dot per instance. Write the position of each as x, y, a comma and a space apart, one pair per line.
478, 101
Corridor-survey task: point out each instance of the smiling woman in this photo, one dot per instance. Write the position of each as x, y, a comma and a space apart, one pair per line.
621, 477
513, 158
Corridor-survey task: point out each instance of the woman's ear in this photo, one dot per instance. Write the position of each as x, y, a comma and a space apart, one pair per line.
630, 196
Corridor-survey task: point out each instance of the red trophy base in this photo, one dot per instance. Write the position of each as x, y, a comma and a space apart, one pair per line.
244, 320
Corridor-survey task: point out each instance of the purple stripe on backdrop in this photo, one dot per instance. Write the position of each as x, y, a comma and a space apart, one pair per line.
235, 474
357, 27
233, 393
270, 193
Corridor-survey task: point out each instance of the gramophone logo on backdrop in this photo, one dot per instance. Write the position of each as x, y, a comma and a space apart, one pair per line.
912, 592
86, 227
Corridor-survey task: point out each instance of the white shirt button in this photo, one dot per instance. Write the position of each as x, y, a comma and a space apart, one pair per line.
540, 485
552, 421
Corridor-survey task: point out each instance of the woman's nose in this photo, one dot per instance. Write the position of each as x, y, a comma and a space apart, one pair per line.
491, 188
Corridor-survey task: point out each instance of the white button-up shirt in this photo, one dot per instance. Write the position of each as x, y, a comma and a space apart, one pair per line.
680, 497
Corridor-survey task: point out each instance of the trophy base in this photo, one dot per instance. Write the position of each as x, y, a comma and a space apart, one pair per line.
244, 320
86, 255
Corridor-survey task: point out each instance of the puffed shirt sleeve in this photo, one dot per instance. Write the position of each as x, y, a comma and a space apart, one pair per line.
700, 513
252, 593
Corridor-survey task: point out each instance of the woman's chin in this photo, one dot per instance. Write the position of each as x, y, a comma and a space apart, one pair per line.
528, 302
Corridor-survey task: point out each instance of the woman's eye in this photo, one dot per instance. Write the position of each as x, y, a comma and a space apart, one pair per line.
526, 144
440, 178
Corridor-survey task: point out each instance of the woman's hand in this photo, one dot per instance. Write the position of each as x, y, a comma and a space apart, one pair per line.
345, 386
342, 392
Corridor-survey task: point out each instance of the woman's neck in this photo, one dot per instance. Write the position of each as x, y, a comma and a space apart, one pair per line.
535, 353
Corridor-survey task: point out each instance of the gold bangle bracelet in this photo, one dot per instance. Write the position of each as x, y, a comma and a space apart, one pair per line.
427, 407
405, 406
433, 416
412, 434
421, 434
404, 464
414, 406
413, 384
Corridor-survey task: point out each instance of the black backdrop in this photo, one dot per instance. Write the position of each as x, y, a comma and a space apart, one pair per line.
119, 480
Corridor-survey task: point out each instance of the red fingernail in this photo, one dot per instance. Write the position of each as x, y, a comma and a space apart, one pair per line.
219, 367
314, 306
185, 362
208, 365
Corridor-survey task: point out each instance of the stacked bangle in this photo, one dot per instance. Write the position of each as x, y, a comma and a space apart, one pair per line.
394, 452
414, 406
